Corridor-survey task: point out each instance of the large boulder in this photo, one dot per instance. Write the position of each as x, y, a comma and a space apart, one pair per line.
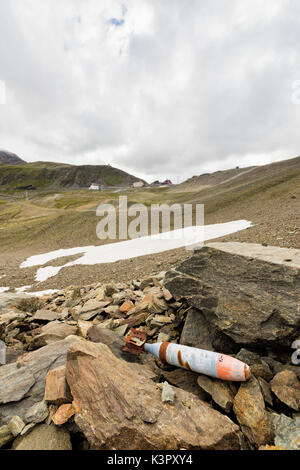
250, 301
22, 384
119, 407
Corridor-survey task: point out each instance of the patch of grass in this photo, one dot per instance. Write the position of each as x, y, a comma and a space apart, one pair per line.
45, 175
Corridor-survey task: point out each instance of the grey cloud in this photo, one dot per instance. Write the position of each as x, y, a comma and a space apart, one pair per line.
177, 88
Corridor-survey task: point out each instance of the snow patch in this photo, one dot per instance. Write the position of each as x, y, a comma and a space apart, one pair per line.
191, 237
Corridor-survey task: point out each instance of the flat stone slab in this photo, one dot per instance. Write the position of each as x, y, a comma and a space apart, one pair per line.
271, 254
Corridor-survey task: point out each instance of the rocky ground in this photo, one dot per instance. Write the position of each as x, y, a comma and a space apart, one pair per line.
68, 384
267, 196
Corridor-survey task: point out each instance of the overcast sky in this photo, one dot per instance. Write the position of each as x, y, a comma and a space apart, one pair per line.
160, 88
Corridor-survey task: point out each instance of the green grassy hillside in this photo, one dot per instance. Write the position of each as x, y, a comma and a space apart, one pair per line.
45, 175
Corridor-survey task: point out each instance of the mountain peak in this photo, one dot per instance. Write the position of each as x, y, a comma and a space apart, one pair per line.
9, 158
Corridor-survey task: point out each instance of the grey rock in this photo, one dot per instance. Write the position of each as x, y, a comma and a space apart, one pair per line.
251, 301
286, 387
10, 298
277, 366
121, 330
46, 315
196, 331
249, 357
168, 394
53, 331
220, 392
163, 338
22, 384
37, 413
186, 380
266, 391
262, 370
287, 432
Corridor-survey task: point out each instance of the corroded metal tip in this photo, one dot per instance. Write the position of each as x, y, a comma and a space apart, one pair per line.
135, 342
247, 372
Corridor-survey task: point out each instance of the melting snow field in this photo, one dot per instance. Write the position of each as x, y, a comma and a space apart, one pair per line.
189, 237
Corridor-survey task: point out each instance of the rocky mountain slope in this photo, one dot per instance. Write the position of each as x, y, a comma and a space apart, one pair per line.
8, 158
68, 383
238, 177
47, 175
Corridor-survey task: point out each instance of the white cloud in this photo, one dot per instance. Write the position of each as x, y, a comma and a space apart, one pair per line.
166, 89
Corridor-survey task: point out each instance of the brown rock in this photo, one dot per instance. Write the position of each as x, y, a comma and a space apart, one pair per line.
286, 387
37, 413
126, 306
113, 311
218, 390
44, 437
151, 304
116, 345
196, 331
167, 294
91, 309
54, 331
63, 414
279, 367
121, 408
262, 370
93, 305
46, 315
266, 391
187, 381
249, 407
160, 320
57, 390
83, 327
134, 320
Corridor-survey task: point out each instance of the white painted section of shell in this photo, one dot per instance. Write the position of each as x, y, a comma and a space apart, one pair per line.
200, 361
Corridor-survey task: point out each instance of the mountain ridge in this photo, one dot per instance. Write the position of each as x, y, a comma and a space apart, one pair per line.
9, 158
51, 175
